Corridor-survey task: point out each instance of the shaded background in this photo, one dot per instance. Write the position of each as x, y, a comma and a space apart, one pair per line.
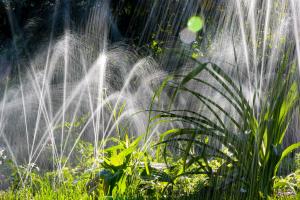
137, 22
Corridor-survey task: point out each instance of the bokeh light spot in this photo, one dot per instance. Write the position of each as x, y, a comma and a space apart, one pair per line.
195, 24
187, 36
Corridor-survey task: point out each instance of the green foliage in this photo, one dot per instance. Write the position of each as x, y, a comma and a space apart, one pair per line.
116, 168
288, 185
125, 172
252, 142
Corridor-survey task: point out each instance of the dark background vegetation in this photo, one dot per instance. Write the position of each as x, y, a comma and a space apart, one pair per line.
32, 19
137, 21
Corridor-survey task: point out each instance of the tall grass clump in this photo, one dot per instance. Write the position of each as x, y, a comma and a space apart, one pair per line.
243, 135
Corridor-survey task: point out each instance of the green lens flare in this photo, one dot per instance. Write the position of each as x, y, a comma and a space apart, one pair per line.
195, 24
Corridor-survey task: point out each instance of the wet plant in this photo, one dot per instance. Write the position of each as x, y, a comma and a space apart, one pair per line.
247, 142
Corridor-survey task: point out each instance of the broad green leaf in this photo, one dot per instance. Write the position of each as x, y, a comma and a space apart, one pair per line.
117, 160
197, 70
286, 152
